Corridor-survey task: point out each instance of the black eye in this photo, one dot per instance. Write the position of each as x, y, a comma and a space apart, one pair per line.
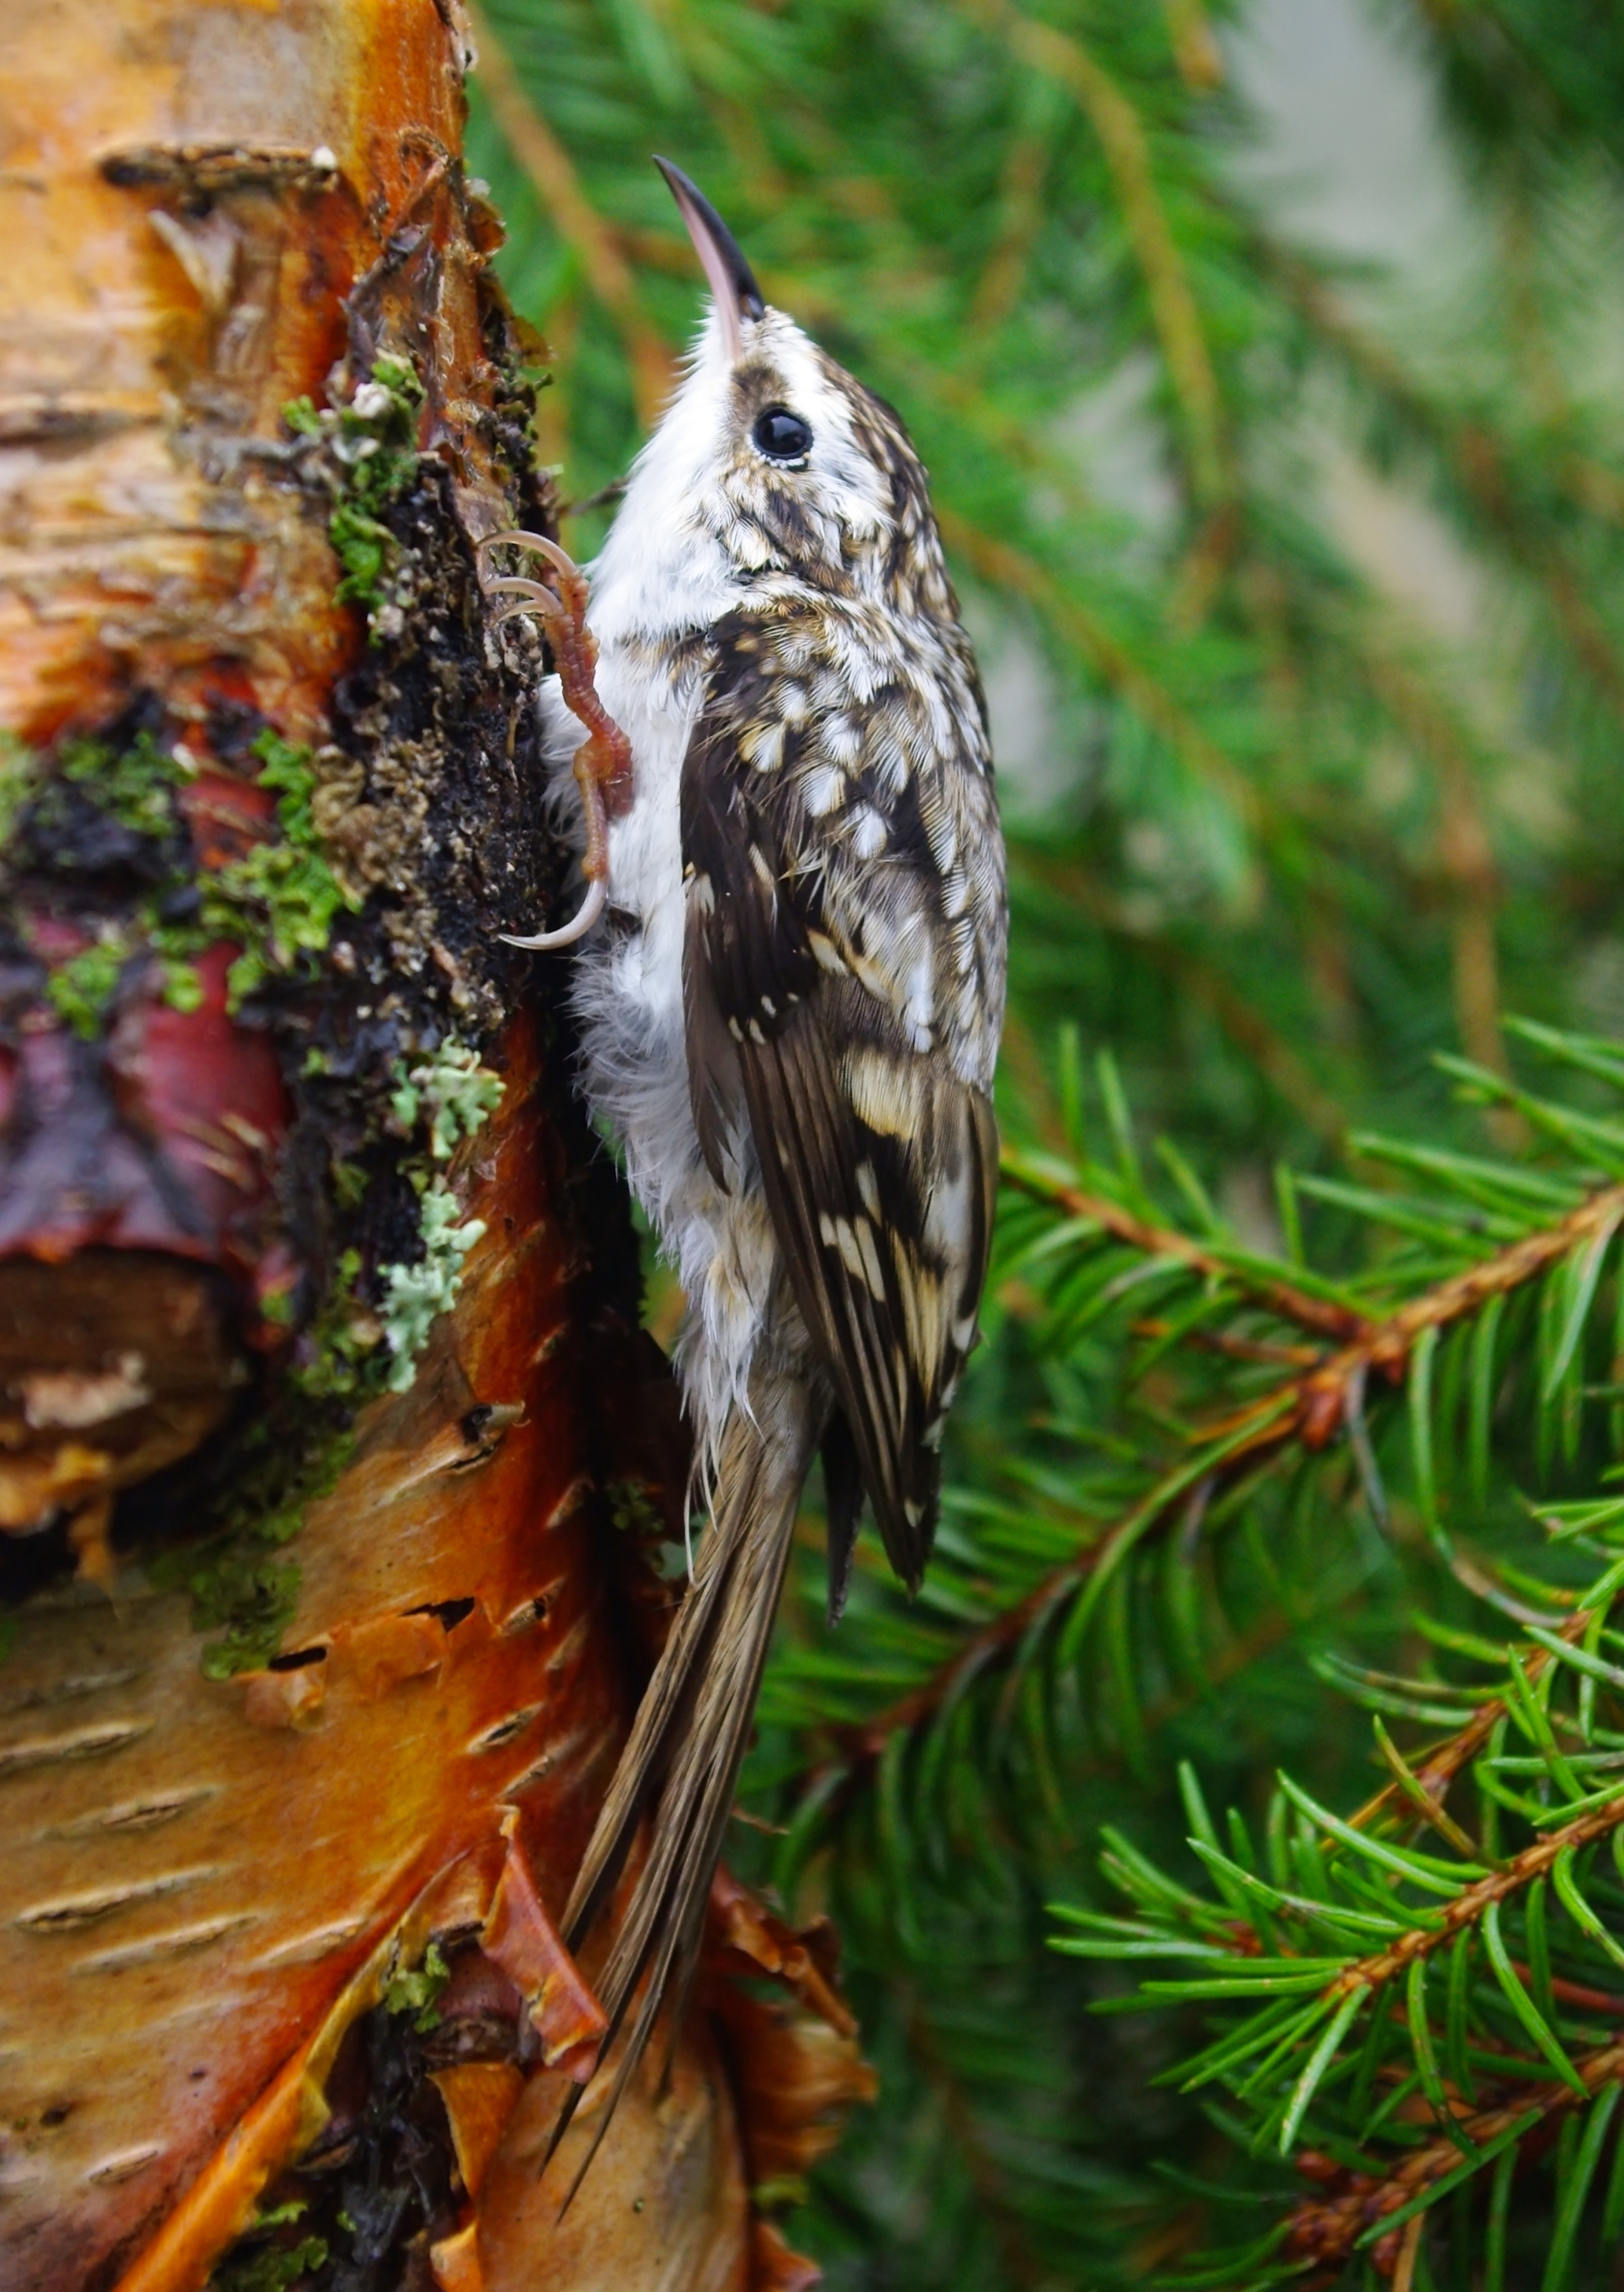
782, 436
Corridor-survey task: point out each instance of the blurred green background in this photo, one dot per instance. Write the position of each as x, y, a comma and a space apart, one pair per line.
1268, 361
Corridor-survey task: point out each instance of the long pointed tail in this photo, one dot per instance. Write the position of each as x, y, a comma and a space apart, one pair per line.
685, 1748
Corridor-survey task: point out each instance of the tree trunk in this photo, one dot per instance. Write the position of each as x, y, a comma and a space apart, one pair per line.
332, 1459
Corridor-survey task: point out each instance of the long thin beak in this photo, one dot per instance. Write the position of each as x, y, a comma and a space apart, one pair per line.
731, 280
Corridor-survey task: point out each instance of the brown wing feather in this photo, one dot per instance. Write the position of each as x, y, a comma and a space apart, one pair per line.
877, 1161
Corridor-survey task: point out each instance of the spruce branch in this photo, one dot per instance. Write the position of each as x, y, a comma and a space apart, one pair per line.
1284, 1298
1366, 2210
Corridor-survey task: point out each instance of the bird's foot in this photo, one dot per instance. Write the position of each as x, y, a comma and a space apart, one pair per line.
603, 761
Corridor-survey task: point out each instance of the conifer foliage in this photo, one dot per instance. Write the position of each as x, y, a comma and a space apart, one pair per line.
1228, 1845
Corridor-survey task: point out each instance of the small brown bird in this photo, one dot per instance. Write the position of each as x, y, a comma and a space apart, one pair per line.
790, 1013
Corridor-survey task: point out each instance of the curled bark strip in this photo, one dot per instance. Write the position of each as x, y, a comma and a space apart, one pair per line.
523, 1941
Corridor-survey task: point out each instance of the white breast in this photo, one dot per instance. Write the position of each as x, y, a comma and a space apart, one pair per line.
628, 996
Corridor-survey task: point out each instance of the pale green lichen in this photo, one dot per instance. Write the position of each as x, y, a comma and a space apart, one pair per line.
457, 1094
414, 1297
450, 1094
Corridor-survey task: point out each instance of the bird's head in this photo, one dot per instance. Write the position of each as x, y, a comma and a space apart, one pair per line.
772, 473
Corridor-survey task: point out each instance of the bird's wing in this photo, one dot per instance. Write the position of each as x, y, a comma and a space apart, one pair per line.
837, 973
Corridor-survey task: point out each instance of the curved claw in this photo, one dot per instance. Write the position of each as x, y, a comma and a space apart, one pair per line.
603, 761
591, 908
537, 598
519, 539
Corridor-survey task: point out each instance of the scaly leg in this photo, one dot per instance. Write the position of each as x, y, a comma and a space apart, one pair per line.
603, 761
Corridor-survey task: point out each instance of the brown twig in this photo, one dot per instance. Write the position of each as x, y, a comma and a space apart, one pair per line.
1326, 2229
1469, 1905
1442, 1764
1196, 52
1328, 1320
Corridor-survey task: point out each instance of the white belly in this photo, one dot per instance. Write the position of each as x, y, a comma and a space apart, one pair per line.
628, 996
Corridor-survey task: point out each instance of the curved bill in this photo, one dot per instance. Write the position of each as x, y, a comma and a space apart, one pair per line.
731, 280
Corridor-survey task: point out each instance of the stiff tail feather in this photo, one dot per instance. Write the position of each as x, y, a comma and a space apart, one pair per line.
683, 1755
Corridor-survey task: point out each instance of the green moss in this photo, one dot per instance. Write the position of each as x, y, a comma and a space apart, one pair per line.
372, 457
348, 1185
136, 785
183, 983
632, 1511
278, 900
344, 1344
255, 1601
417, 1990
237, 1585
241, 1585
80, 989
16, 780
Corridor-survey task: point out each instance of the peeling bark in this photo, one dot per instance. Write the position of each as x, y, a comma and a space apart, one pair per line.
320, 1379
